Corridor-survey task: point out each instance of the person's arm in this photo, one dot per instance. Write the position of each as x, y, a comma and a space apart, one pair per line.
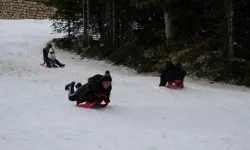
167, 66
45, 53
107, 101
180, 68
165, 70
107, 98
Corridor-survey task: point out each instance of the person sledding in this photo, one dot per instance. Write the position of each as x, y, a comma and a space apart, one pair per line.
91, 94
49, 57
173, 75
95, 78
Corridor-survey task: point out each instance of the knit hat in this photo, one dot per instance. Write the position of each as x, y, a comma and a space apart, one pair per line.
106, 78
107, 73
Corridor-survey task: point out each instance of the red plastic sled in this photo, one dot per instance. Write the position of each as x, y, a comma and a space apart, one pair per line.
43, 65
92, 105
177, 84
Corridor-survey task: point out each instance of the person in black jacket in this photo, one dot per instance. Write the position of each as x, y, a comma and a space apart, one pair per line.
173, 71
91, 93
46, 51
95, 78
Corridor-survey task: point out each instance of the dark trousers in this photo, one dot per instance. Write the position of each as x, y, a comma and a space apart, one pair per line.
46, 60
170, 76
72, 94
81, 96
58, 62
48, 64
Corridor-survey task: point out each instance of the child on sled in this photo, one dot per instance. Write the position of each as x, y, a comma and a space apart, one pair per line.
49, 57
173, 75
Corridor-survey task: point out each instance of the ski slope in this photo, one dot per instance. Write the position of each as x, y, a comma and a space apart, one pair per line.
35, 113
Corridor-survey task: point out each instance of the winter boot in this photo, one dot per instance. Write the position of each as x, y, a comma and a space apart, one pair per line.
62, 65
72, 84
78, 85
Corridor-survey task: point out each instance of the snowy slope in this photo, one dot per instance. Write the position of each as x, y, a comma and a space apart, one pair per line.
36, 115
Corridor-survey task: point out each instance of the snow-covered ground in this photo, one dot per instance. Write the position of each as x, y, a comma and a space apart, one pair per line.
35, 113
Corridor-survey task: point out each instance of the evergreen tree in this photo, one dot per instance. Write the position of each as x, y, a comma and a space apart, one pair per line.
68, 15
207, 33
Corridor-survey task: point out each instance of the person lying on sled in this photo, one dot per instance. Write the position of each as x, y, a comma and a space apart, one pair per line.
173, 74
49, 57
95, 78
91, 93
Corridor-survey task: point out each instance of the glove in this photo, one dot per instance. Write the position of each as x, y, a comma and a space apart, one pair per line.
100, 96
106, 99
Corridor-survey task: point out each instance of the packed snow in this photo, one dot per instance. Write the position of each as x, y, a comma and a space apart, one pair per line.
35, 113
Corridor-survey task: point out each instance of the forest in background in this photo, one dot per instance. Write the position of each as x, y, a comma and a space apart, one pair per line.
210, 37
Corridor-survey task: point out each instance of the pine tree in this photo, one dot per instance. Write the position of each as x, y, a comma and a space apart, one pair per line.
68, 16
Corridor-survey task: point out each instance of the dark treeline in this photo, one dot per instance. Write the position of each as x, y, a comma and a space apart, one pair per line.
210, 37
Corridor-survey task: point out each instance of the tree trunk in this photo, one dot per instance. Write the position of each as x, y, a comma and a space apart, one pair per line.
106, 22
88, 20
83, 19
69, 29
113, 20
120, 29
101, 21
230, 14
167, 27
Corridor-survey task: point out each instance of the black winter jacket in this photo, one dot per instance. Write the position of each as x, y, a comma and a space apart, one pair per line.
45, 52
90, 92
176, 70
95, 78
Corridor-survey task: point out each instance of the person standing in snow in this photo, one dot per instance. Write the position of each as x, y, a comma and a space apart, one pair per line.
50, 58
173, 71
91, 93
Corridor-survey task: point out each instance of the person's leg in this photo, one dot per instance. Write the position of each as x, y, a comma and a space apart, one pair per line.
163, 81
72, 95
183, 74
169, 77
46, 60
181, 81
68, 85
83, 95
59, 63
53, 63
